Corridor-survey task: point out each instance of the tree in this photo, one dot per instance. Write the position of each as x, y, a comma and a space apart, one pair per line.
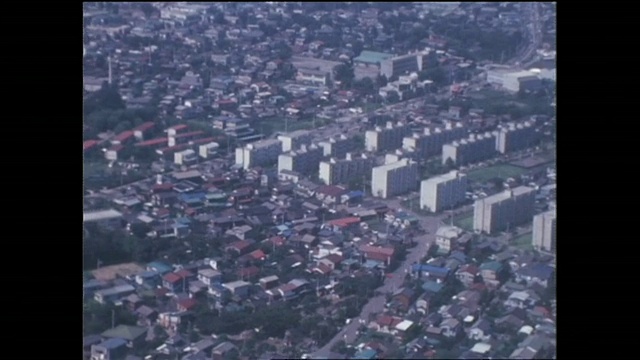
381, 80
147, 9
344, 73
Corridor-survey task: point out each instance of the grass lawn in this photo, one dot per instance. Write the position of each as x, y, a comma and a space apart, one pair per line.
502, 171
523, 241
268, 127
464, 221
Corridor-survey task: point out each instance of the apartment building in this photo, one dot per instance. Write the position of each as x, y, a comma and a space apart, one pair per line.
473, 149
338, 147
186, 157
443, 192
259, 153
295, 139
504, 211
544, 231
386, 138
430, 142
394, 178
341, 171
404, 64
304, 161
514, 137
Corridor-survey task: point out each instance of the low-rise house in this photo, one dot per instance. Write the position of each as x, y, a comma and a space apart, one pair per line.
113, 294
209, 276
539, 274
111, 349
269, 282
239, 288
223, 351
133, 335
522, 300
378, 253
402, 299
451, 327
481, 330
146, 315
239, 247
467, 274
490, 272
434, 272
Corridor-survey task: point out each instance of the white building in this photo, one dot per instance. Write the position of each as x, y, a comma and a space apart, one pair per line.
430, 142
446, 238
443, 192
338, 147
504, 211
342, 171
386, 138
544, 231
394, 179
304, 160
404, 64
208, 150
295, 139
473, 149
514, 137
186, 157
514, 81
259, 153
313, 76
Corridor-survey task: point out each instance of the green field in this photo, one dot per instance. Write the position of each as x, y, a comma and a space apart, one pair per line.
464, 221
268, 127
503, 171
523, 241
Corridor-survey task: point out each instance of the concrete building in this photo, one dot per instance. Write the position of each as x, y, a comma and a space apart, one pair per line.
544, 231
394, 179
404, 64
430, 142
334, 171
313, 76
514, 81
443, 192
186, 157
504, 211
304, 161
258, 153
338, 147
295, 139
386, 138
473, 149
447, 237
208, 150
512, 137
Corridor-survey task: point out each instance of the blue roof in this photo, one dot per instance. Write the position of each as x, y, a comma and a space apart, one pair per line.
366, 354
492, 265
113, 343
357, 193
432, 286
200, 196
372, 57
540, 271
160, 267
433, 270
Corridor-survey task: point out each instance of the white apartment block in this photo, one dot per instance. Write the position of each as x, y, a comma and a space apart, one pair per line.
295, 139
512, 137
334, 171
386, 138
443, 192
504, 211
404, 64
544, 231
338, 147
259, 153
430, 142
186, 157
303, 161
394, 179
473, 149
208, 150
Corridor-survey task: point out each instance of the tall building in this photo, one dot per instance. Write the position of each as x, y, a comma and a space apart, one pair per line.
295, 139
338, 147
443, 192
404, 64
259, 153
544, 231
430, 142
304, 161
504, 210
394, 179
386, 138
514, 137
334, 171
208, 150
473, 149
186, 157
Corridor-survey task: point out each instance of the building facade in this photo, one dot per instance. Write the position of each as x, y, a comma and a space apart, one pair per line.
394, 179
430, 142
544, 231
259, 153
334, 171
473, 149
386, 138
186, 157
338, 147
512, 137
295, 139
504, 211
443, 192
303, 161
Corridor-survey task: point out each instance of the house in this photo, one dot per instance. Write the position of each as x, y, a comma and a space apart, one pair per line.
223, 350
489, 272
402, 299
111, 349
467, 274
113, 294
133, 335
239, 247
522, 299
177, 281
146, 315
187, 304
248, 273
535, 274
451, 327
209, 276
378, 253
240, 232
150, 279
385, 323
436, 273
403, 327
269, 282
481, 330
330, 194
239, 288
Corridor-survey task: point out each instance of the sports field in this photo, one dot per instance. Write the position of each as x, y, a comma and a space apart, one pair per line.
502, 171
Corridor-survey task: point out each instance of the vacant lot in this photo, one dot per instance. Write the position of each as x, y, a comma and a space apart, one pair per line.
497, 171
523, 241
464, 221
111, 272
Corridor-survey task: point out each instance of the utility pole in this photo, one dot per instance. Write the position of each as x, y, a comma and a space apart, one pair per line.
113, 319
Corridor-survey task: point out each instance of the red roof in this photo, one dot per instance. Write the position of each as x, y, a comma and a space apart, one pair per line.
184, 273
188, 303
471, 269
160, 187
179, 127
249, 271
89, 144
277, 240
239, 245
123, 136
174, 148
377, 250
144, 127
344, 222
172, 278
203, 141
322, 268
257, 254
156, 141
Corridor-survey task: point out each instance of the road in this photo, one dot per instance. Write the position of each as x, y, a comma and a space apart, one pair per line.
391, 283
534, 27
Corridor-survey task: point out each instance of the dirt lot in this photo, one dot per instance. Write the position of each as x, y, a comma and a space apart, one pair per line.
111, 272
